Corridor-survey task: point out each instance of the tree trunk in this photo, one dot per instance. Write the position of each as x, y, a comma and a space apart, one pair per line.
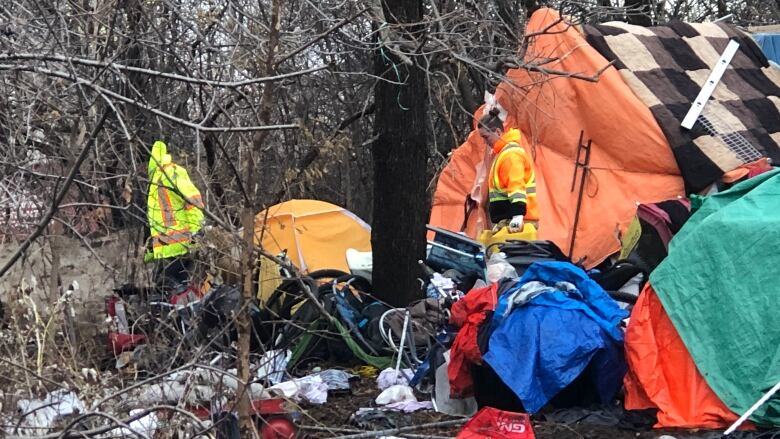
639, 12
723, 8
243, 320
400, 202
248, 258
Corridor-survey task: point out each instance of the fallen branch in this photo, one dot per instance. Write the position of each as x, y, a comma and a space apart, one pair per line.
392, 431
116, 423
352, 430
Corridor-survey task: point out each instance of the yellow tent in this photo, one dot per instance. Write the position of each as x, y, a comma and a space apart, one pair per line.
315, 234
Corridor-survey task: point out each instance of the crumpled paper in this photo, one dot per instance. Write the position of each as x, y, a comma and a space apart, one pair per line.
400, 397
336, 379
389, 378
410, 406
310, 389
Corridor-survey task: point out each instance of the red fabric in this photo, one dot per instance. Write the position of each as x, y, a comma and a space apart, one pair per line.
467, 314
662, 373
749, 170
493, 423
118, 343
758, 167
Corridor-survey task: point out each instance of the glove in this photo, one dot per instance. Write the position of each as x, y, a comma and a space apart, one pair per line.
516, 224
501, 224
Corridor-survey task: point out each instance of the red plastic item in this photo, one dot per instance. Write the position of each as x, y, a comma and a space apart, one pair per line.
273, 406
278, 427
492, 423
202, 412
183, 298
118, 343
111, 305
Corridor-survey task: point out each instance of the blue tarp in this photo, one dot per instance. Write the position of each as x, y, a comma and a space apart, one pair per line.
770, 45
543, 346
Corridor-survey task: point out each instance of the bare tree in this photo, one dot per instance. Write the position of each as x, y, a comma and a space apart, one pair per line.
357, 103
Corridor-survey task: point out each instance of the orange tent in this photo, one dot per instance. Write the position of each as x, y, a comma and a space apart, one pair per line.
315, 234
631, 161
662, 373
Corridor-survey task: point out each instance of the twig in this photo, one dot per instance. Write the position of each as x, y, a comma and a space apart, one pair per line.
116, 422
391, 431
319, 37
150, 72
127, 100
32, 372
58, 199
78, 419
352, 430
575, 75
142, 383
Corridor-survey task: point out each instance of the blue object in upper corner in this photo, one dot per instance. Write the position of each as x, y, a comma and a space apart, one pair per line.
543, 346
770, 45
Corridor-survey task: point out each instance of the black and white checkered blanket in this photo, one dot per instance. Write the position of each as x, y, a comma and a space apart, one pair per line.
666, 67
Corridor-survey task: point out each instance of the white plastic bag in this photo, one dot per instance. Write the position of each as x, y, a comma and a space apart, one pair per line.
396, 393
389, 377
498, 268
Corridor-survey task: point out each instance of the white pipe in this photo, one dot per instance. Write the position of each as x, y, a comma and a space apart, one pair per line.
401, 348
755, 407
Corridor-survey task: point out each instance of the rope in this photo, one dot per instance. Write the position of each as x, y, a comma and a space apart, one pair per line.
388, 60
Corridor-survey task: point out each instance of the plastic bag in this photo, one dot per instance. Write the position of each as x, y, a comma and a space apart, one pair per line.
493, 423
441, 286
389, 377
397, 393
498, 268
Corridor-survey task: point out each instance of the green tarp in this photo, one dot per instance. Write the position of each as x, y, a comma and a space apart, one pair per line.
720, 286
321, 324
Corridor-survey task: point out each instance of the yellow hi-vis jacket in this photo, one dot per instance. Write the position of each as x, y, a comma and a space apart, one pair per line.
173, 206
512, 178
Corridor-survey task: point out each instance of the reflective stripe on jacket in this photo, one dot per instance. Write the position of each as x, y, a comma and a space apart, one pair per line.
512, 176
174, 205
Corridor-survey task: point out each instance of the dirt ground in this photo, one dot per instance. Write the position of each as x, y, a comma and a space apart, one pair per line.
332, 419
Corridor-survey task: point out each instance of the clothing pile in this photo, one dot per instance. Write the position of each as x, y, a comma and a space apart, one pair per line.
552, 329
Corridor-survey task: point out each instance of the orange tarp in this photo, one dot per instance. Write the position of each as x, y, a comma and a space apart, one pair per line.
662, 373
631, 161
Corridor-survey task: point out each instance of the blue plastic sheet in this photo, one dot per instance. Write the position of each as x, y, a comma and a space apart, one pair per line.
770, 45
540, 348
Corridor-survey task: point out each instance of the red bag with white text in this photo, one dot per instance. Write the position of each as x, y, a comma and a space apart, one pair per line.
491, 423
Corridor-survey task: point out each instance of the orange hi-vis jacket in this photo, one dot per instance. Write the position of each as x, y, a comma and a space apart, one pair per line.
512, 178
174, 206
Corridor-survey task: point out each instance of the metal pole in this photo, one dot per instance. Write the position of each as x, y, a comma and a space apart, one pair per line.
755, 407
577, 161
585, 169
